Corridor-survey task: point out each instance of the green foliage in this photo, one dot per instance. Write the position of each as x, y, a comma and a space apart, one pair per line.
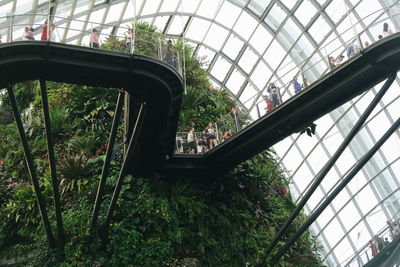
73, 169
83, 144
58, 120
160, 221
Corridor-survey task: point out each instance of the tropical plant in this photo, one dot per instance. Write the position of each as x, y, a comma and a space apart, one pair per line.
58, 120
83, 144
73, 169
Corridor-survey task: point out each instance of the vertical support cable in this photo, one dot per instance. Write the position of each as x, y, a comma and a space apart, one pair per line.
321, 175
337, 190
31, 167
53, 170
107, 161
183, 53
134, 27
48, 22
124, 170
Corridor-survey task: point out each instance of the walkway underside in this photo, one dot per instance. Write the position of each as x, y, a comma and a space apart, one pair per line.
356, 76
145, 79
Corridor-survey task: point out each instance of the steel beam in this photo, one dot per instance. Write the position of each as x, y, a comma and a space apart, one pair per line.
324, 171
337, 190
107, 161
125, 165
53, 170
31, 167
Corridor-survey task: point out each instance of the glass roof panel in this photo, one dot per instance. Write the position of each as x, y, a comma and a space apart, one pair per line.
216, 36
233, 46
260, 39
275, 17
245, 25
274, 54
188, 6
150, 7
230, 24
258, 6
235, 81
169, 6
232, 10
208, 8
221, 67
305, 12
198, 29
248, 60
177, 25
23, 6
115, 12
261, 75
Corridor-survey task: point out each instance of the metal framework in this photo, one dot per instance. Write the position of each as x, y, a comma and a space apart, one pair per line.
239, 80
327, 167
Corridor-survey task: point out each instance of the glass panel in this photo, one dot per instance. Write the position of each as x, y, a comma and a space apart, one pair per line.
220, 68
223, 18
150, 7
261, 75
260, 39
208, 8
275, 17
197, 29
216, 36
169, 6
235, 81
258, 6
233, 46
334, 231
248, 60
305, 12
245, 25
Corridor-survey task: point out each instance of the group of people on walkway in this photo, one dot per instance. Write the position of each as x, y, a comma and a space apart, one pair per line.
47, 34
199, 142
378, 243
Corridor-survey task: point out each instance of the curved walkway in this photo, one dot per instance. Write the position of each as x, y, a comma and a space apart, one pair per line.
145, 79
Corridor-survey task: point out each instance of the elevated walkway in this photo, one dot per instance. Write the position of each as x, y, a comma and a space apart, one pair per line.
144, 78
373, 65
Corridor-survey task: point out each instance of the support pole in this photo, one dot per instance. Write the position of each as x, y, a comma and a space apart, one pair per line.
107, 161
53, 170
337, 190
31, 168
124, 170
324, 171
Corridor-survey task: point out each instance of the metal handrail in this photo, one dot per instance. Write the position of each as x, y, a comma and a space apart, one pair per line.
323, 60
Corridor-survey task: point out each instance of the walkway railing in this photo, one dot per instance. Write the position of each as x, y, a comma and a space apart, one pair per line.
381, 240
124, 38
349, 43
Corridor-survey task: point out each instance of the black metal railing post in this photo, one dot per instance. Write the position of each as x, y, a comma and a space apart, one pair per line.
31, 167
53, 170
107, 161
125, 165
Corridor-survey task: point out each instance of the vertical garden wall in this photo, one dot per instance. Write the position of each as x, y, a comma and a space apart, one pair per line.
160, 221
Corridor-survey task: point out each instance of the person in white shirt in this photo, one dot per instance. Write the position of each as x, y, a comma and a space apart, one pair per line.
191, 141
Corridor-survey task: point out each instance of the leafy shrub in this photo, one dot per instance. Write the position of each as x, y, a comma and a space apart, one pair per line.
73, 169
83, 144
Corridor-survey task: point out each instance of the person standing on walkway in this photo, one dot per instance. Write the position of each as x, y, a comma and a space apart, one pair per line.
296, 85
44, 36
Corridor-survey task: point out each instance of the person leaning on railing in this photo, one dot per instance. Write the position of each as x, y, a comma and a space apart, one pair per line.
94, 39
129, 41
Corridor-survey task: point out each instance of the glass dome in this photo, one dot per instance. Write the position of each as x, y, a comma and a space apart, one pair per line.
250, 43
